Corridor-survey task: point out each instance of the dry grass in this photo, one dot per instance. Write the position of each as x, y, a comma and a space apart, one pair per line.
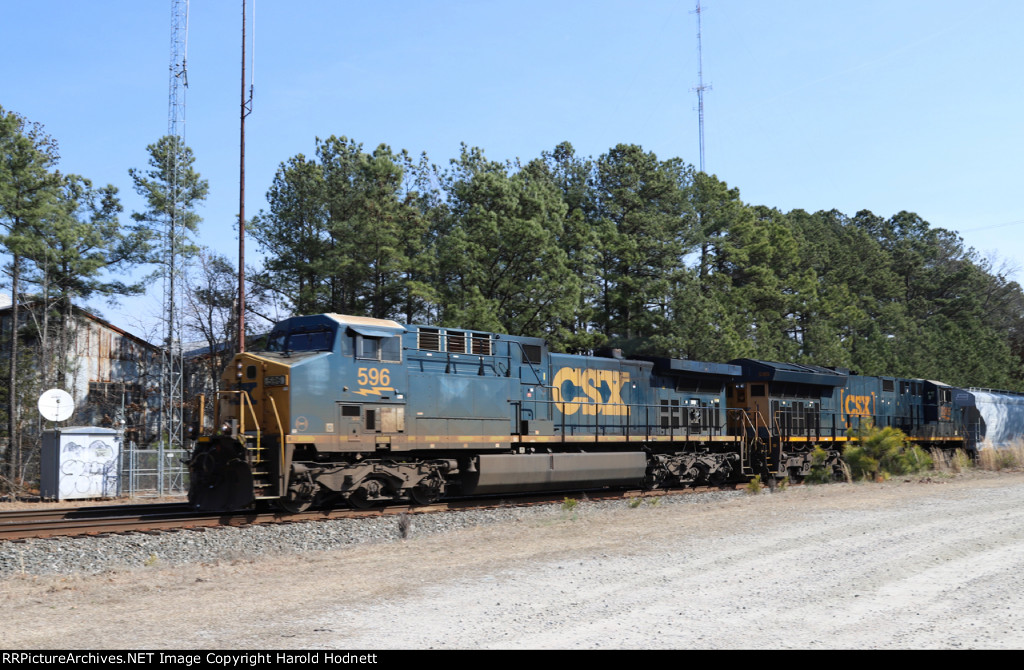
951, 461
989, 458
1005, 458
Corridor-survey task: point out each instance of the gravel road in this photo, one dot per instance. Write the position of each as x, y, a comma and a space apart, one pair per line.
933, 563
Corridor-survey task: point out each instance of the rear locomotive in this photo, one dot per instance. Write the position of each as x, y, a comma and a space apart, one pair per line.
360, 411
793, 408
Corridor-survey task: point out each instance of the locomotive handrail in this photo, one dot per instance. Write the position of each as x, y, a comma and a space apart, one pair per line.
791, 423
708, 418
480, 360
280, 443
522, 351
241, 426
745, 424
277, 417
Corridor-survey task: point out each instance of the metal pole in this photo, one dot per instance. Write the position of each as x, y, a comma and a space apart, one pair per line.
241, 204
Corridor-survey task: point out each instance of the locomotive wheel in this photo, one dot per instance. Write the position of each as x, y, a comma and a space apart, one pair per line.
716, 478
369, 493
657, 473
428, 491
294, 504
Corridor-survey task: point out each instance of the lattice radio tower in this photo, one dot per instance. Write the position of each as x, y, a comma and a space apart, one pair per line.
700, 86
171, 391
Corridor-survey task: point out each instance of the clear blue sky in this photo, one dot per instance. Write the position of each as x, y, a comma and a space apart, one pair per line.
867, 104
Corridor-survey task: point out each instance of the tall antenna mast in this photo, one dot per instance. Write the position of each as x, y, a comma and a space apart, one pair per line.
246, 110
172, 359
700, 86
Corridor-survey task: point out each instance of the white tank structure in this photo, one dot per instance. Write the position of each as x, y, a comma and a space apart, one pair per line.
992, 419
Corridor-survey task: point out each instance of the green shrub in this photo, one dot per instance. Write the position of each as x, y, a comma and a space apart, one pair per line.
862, 466
882, 452
569, 507
821, 468
914, 459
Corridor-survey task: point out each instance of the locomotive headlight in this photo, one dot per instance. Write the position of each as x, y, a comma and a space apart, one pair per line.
274, 380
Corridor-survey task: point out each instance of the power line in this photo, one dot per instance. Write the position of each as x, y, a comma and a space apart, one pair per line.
994, 225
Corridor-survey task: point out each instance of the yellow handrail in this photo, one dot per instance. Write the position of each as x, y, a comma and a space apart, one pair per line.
280, 442
247, 401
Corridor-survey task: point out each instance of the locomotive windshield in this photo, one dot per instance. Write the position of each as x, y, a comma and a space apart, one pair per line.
317, 338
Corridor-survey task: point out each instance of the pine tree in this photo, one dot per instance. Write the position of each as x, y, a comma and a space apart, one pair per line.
27, 193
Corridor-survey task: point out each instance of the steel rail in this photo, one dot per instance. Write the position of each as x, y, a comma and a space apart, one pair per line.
107, 520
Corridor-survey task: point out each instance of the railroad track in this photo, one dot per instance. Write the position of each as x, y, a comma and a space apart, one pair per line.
159, 517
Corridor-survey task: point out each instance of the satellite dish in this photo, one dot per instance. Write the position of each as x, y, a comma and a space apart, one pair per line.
56, 405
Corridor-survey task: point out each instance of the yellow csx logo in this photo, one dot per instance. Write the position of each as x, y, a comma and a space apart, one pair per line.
858, 405
590, 391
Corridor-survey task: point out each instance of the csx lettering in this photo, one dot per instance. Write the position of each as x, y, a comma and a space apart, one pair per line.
857, 405
374, 377
590, 391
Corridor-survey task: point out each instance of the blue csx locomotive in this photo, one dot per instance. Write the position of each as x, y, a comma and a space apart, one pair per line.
367, 411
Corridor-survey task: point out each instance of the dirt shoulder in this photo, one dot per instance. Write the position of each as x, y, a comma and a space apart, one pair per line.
909, 564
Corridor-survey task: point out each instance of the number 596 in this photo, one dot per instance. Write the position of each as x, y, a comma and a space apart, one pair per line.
374, 377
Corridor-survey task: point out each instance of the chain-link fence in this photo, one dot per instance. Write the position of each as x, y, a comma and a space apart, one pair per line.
153, 472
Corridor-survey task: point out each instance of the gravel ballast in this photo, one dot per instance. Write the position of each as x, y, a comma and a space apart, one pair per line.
87, 555
923, 563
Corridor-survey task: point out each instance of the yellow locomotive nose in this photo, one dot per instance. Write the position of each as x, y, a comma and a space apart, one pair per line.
240, 462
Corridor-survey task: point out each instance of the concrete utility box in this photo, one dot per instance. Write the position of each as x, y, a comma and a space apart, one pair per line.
80, 462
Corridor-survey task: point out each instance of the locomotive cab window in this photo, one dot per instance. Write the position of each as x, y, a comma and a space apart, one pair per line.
531, 354
387, 349
317, 338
